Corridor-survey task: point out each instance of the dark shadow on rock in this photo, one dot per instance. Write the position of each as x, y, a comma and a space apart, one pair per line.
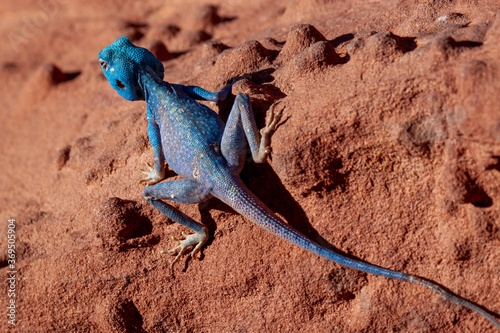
341, 39
494, 166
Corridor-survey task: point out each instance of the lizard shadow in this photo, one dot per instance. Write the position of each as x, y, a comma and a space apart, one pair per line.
267, 186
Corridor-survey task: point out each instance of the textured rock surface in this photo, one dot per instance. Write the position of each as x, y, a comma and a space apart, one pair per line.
389, 150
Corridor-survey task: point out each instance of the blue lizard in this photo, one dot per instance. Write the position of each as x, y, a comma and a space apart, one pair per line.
195, 143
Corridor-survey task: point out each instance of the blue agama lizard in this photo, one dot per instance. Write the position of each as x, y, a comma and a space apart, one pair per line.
209, 155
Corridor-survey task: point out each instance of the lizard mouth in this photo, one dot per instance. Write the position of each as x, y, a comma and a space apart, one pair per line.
120, 84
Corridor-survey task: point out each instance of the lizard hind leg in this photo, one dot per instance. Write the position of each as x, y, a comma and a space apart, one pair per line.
241, 129
183, 191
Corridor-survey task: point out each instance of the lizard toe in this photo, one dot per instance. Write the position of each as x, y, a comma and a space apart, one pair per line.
197, 240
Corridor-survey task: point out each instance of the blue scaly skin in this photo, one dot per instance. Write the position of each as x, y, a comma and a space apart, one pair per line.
209, 155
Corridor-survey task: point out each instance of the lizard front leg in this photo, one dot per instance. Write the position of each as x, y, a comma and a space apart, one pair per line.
182, 191
157, 173
202, 94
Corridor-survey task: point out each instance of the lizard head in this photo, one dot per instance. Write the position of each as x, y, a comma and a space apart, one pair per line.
121, 63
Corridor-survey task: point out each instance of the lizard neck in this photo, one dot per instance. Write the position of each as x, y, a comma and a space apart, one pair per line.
150, 83
150, 86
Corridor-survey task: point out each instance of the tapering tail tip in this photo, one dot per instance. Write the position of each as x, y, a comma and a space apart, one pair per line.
454, 298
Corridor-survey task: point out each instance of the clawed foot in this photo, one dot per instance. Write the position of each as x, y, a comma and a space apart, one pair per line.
153, 176
197, 240
272, 119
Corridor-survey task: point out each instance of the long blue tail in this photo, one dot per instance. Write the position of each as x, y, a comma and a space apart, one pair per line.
238, 196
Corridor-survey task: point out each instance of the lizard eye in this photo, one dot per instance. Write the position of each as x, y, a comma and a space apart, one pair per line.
103, 64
